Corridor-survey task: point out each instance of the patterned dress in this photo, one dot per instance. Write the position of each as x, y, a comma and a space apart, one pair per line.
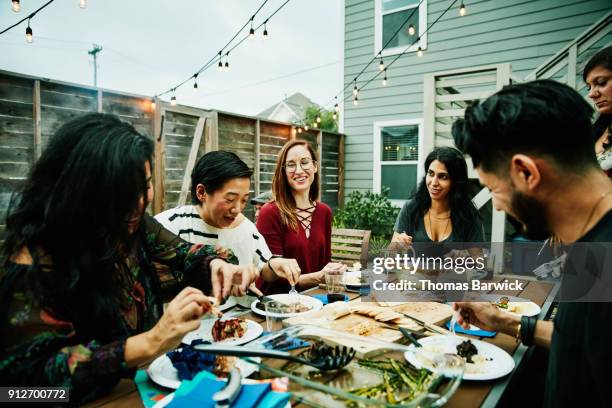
40, 348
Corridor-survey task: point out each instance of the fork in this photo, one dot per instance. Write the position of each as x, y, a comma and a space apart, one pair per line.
322, 357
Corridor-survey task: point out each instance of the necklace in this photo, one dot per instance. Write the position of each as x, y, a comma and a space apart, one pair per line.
430, 225
586, 224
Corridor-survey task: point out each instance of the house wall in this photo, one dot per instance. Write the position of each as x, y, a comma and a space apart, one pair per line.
522, 33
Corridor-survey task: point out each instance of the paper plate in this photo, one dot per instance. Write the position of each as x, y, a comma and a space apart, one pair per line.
253, 331
493, 361
288, 299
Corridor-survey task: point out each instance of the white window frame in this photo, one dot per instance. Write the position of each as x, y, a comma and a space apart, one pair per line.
378, 17
377, 173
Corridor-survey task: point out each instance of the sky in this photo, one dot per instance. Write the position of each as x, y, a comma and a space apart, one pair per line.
150, 46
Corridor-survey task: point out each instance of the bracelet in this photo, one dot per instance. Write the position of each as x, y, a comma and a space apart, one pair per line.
517, 335
528, 325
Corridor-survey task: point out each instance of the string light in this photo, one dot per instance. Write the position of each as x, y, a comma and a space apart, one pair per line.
355, 90
355, 101
419, 52
83, 4
318, 119
195, 82
220, 63
29, 33
335, 115
411, 29
299, 130
16, 6
265, 31
462, 10
381, 66
173, 99
336, 107
226, 67
252, 30
153, 104
384, 81
306, 128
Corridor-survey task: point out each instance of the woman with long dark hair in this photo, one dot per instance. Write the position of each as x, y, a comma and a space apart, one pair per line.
86, 271
597, 74
441, 209
295, 223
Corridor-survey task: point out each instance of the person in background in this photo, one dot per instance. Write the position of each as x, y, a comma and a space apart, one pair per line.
597, 74
220, 185
295, 223
80, 294
259, 201
530, 145
440, 210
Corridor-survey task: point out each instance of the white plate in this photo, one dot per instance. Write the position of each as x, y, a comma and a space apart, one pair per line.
524, 307
288, 299
162, 372
501, 363
253, 331
168, 398
228, 304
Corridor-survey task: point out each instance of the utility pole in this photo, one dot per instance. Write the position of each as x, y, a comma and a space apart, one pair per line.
94, 53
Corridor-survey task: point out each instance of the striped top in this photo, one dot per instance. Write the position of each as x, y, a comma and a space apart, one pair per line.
244, 240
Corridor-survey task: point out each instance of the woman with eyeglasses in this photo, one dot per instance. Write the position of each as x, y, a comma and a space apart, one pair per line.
295, 224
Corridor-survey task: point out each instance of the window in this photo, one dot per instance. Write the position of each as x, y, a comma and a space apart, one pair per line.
390, 15
397, 154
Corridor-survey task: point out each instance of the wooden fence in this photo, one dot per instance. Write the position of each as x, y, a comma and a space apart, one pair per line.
32, 109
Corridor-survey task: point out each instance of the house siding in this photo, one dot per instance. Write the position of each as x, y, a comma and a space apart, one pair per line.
522, 33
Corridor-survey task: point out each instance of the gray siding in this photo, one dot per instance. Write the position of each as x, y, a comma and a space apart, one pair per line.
522, 33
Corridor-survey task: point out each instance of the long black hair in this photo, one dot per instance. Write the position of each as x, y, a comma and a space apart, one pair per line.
463, 212
74, 208
603, 58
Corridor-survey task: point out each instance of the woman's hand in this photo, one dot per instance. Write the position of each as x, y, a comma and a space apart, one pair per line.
181, 316
400, 241
226, 278
286, 268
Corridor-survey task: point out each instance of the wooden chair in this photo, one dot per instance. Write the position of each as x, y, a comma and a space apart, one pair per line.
350, 245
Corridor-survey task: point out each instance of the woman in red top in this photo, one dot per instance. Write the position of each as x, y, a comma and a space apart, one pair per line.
295, 224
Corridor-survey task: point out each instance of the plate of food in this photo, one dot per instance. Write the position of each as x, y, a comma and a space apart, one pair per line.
518, 306
162, 372
483, 361
300, 304
231, 332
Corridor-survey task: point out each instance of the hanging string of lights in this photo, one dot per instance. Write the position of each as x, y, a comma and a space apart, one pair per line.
225, 51
16, 6
382, 68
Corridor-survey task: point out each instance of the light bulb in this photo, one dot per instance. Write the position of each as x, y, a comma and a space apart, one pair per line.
381, 66
153, 105
462, 10
16, 6
82, 4
411, 29
29, 38
355, 101
355, 91
299, 130
336, 107
318, 119
220, 66
306, 128
173, 100
226, 65
384, 81
265, 32
419, 52
251, 32
195, 85
335, 116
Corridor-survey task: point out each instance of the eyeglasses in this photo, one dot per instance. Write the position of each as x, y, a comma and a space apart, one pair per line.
305, 164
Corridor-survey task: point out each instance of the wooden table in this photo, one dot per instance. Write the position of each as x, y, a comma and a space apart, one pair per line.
469, 393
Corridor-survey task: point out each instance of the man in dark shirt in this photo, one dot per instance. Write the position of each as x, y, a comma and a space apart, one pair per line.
531, 146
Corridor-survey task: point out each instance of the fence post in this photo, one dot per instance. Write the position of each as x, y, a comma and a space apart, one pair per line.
36, 116
256, 165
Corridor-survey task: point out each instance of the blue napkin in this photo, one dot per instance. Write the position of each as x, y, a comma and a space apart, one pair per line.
286, 343
479, 333
199, 391
323, 298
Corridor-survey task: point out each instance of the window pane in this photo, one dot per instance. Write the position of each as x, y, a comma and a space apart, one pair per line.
399, 143
388, 5
390, 24
401, 180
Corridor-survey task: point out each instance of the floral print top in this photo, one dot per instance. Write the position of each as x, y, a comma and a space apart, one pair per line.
38, 348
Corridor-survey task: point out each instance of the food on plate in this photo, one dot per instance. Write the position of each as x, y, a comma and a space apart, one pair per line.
300, 307
467, 350
504, 303
223, 365
188, 362
229, 329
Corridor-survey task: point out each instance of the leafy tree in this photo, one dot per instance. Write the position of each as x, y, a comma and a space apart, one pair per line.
327, 119
368, 211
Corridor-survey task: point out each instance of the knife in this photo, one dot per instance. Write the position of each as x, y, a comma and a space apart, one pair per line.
428, 326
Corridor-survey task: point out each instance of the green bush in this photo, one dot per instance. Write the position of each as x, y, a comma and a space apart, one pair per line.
368, 211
